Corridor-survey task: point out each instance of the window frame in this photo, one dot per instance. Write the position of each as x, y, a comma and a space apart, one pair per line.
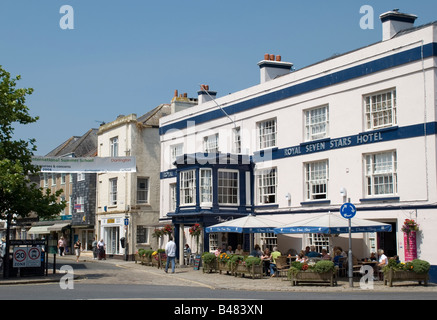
310, 118
113, 190
370, 115
141, 190
184, 192
228, 187
114, 144
176, 150
266, 136
371, 173
310, 181
206, 187
262, 176
211, 143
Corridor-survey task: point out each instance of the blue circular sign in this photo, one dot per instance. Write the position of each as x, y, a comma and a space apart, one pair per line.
348, 210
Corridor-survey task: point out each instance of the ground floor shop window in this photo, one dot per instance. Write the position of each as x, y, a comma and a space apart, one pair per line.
86, 238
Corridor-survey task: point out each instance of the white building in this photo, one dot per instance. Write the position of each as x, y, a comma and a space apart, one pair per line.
358, 126
128, 203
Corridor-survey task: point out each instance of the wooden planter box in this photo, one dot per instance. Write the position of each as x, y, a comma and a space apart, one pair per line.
209, 267
310, 276
255, 271
402, 275
146, 261
138, 258
223, 266
154, 262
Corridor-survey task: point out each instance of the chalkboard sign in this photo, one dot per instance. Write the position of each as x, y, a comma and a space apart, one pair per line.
197, 262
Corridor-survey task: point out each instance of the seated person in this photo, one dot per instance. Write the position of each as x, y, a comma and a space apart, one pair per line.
338, 259
275, 254
325, 255
239, 250
313, 253
301, 257
266, 258
256, 252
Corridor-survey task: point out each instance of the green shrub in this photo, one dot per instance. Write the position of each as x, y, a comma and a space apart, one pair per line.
323, 266
252, 261
148, 252
208, 257
236, 259
420, 266
141, 252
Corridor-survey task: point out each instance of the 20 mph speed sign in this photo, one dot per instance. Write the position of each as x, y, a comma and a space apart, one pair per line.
20, 257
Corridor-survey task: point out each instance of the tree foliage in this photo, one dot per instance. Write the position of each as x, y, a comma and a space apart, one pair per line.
18, 195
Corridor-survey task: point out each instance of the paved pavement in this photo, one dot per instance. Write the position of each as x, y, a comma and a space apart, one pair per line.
135, 273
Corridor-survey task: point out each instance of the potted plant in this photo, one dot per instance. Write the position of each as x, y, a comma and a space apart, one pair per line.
223, 264
209, 262
416, 270
254, 266
321, 271
236, 263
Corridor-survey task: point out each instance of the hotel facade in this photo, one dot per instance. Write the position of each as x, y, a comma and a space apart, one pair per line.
358, 127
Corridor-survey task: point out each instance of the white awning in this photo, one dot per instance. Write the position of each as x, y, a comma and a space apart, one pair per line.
58, 227
39, 230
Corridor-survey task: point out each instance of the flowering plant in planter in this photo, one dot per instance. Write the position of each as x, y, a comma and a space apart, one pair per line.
417, 266
409, 225
223, 257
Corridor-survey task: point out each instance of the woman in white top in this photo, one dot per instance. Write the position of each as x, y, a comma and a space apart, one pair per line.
383, 260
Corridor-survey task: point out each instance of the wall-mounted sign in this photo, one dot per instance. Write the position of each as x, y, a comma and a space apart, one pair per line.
92, 164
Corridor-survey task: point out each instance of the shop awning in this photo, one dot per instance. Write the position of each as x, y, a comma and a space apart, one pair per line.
39, 230
58, 226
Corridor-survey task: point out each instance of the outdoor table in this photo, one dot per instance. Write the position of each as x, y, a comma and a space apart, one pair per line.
290, 260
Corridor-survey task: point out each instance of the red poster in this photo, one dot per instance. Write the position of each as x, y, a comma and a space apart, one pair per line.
410, 246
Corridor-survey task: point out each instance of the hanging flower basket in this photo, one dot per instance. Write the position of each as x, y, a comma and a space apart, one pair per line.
196, 231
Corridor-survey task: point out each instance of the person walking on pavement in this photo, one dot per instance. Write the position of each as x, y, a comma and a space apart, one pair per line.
2, 252
101, 250
61, 246
94, 246
77, 247
170, 251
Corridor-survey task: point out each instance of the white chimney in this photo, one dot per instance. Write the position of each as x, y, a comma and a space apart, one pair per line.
394, 22
272, 67
181, 102
204, 94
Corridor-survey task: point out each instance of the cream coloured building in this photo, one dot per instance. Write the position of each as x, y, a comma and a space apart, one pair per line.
358, 127
128, 203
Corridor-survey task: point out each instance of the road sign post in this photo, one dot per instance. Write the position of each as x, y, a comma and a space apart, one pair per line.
348, 211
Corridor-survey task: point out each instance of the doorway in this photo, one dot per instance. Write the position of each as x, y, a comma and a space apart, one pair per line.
387, 241
112, 240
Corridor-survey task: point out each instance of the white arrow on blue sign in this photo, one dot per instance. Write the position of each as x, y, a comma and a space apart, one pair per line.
348, 210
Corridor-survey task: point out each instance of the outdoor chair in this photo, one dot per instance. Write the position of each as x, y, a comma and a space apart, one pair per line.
282, 266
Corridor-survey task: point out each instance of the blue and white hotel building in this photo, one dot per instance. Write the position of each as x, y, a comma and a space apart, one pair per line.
358, 127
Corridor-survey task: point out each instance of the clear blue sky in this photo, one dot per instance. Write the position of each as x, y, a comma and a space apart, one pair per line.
129, 56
